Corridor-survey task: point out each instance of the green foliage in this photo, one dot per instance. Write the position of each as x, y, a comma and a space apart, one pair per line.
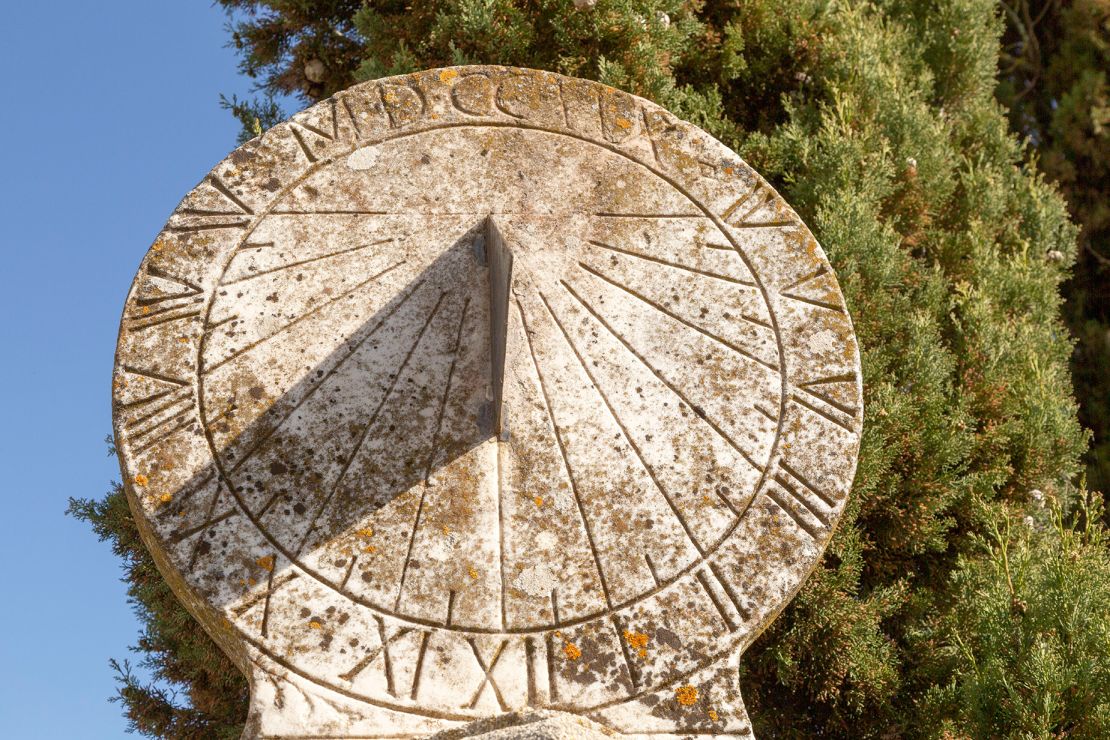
1056, 64
1029, 643
176, 651
878, 122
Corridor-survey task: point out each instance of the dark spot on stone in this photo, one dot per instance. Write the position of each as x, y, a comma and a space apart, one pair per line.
257, 393
272, 184
425, 159
668, 638
305, 612
299, 508
276, 468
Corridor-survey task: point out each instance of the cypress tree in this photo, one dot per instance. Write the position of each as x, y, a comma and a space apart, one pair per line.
966, 591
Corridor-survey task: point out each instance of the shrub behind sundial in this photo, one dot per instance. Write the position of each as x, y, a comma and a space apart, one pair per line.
484, 389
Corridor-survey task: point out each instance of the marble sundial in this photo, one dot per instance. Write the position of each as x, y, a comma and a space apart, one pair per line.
482, 389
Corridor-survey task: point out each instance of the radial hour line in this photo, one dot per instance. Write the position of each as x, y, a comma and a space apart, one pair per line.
310, 260
431, 455
500, 259
676, 265
369, 424
674, 389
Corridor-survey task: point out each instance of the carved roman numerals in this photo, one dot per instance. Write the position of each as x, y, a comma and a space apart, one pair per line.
830, 398
388, 656
160, 298
723, 595
153, 406
757, 208
801, 500
818, 288
212, 205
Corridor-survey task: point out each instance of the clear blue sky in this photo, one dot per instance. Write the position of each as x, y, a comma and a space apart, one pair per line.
110, 115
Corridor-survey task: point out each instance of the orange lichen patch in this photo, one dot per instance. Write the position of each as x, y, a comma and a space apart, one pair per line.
315, 625
141, 480
638, 641
158, 246
473, 573
365, 532
369, 548
447, 75
687, 695
538, 500
713, 716
252, 581
165, 498
624, 123
183, 339
446, 529
266, 562
572, 651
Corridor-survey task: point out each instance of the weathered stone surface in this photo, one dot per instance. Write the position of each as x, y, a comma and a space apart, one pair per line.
486, 389
535, 725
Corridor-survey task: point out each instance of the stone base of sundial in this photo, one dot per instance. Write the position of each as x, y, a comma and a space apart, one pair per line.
485, 390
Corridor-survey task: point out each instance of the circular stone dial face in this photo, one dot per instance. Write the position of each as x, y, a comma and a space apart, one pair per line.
482, 388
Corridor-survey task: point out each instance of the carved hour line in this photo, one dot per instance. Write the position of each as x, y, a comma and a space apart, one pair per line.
349, 571
811, 301
269, 595
829, 500
681, 396
148, 313
728, 504
634, 672
180, 499
254, 245
209, 369
530, 668
271, 586
666, 311
821, 412
808, 385
677, 266
552, 686
487, 669
788, 486
154, 375
555, 605
177, 400
383, 649
227, 193
650, 215
624, 430
136, 326
450, 607
217, 324
185, 534
366, 430
651, 568
419, 670
166, 434
320, 381
310, 260
729, 591
351, 117
431, 461
722, 247
331, 212
500, 488
189, 289
765, 412
308, 153
209, 227
728, 212
566, 462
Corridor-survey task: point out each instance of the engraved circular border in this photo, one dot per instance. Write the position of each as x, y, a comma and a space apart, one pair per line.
614, 609
477, 120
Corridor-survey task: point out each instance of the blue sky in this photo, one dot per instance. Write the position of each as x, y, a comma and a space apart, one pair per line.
110, 115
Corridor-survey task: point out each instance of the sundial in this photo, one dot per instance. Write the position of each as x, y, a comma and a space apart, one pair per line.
485, 389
